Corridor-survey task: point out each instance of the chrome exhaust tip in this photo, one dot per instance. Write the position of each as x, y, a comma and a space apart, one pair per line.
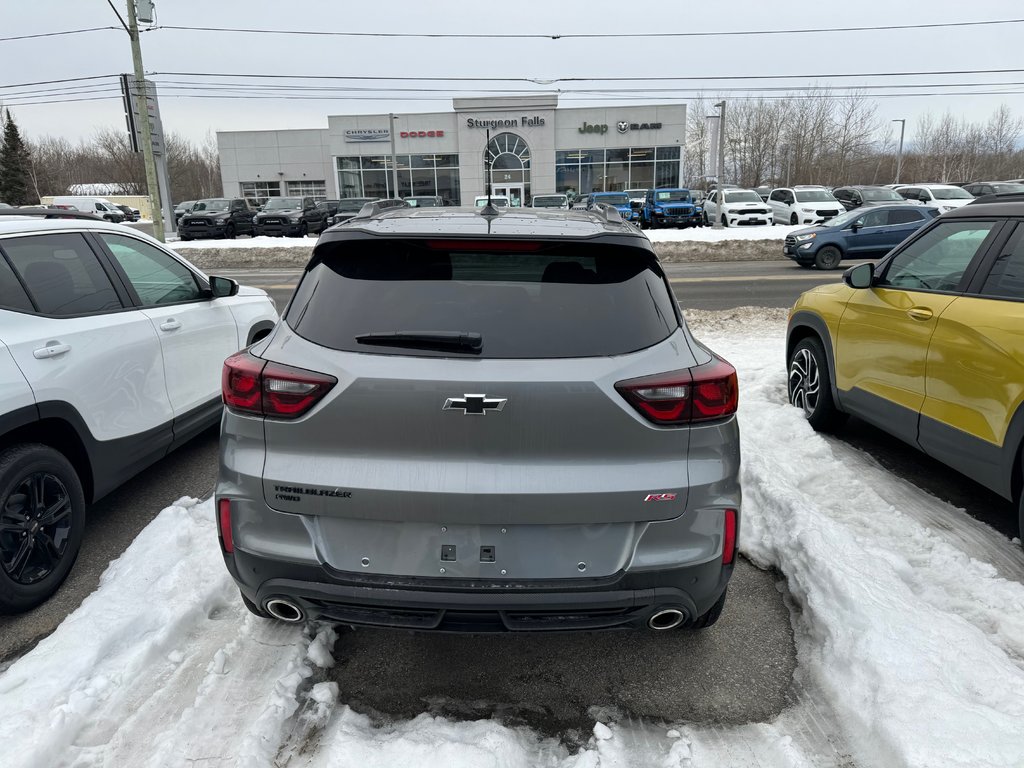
666, 618
284, 610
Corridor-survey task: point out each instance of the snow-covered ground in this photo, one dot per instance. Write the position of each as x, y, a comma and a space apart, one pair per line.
908, 618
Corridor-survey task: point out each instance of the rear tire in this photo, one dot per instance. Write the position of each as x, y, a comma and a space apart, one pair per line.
810, 386
828, 257
711, 616
42, 519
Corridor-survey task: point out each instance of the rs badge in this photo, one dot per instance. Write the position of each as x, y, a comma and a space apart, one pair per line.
660, 497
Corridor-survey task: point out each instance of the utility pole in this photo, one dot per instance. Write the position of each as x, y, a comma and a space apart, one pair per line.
899, 153
719, 191
142, 105
394, 159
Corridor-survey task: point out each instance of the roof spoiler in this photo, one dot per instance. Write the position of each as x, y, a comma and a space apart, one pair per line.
50, 213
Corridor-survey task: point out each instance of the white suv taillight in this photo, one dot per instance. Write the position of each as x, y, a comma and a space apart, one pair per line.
703, 393
254, 386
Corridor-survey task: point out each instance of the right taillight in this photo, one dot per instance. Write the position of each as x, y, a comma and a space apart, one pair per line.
729, 537
254, 386
702, 393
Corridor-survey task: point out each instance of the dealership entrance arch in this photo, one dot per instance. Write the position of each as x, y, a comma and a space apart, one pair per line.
508, 157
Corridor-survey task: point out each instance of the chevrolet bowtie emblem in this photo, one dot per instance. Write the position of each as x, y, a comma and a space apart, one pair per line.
474, 405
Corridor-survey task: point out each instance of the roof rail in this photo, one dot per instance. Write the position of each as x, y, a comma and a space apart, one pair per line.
999, 197
608, 212
49, 213
377, 206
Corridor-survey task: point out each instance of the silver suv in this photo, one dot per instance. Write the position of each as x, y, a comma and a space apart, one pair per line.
481, 421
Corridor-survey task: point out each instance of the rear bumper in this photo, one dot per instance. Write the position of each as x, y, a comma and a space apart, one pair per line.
624, 600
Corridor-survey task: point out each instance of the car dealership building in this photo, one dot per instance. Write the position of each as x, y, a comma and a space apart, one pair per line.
535, 148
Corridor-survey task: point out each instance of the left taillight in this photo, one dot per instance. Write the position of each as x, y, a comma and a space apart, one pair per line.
261, 388
703, 393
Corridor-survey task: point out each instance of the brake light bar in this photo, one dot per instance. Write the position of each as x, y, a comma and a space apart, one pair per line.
691, 395
257, 387
484, 245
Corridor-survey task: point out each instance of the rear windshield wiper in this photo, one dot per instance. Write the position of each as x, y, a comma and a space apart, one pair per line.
458, 340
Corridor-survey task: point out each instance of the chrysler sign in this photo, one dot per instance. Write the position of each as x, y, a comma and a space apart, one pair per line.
367, 134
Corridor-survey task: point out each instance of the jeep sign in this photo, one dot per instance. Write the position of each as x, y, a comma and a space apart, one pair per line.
622, 126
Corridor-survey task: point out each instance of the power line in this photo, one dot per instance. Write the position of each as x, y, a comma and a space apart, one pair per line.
553, 80
779, 97
588, 36
52, 82
56, 34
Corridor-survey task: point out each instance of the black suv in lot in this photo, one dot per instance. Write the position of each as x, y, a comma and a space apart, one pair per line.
860, 195
217, 217
290, 216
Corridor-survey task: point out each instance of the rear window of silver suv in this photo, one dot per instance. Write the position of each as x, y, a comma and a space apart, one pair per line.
547, 301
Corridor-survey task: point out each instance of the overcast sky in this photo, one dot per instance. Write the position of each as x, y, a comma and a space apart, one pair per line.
166, 51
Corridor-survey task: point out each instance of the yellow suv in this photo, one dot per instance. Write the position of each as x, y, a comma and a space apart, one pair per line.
927, 345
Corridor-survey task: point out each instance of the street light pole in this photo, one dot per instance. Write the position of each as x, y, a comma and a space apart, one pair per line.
899, 153
720, 192
394, 160
142, 105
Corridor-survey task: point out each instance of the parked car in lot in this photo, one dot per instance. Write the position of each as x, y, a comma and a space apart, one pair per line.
331, 206
926, 345
425, 201
742, 207
979, 188
863, 195
803, 204
98, 206
550, 201
217, 217
349, 207
110, 358
291, 217
670, 207
130, 214
861, 233
945, 197
366, 449
181, 209
636, 198
498, 201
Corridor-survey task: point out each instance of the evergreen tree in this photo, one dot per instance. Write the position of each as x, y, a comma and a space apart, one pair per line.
14, 166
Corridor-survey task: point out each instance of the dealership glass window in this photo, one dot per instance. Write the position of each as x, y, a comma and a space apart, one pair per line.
613, 170
371, 176
315, 189
260, 191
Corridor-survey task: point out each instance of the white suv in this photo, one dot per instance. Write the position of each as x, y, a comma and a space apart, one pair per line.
945, 197
741, 207
803, 204
111, 349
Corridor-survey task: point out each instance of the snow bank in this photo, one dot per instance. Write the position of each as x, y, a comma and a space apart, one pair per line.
712, 235
918, 646
911, 646
262, 241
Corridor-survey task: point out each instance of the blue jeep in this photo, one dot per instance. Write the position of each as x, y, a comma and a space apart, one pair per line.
618, 200
670, 207
861, 233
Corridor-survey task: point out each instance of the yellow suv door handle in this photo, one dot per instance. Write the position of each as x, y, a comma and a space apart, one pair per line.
919, 313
